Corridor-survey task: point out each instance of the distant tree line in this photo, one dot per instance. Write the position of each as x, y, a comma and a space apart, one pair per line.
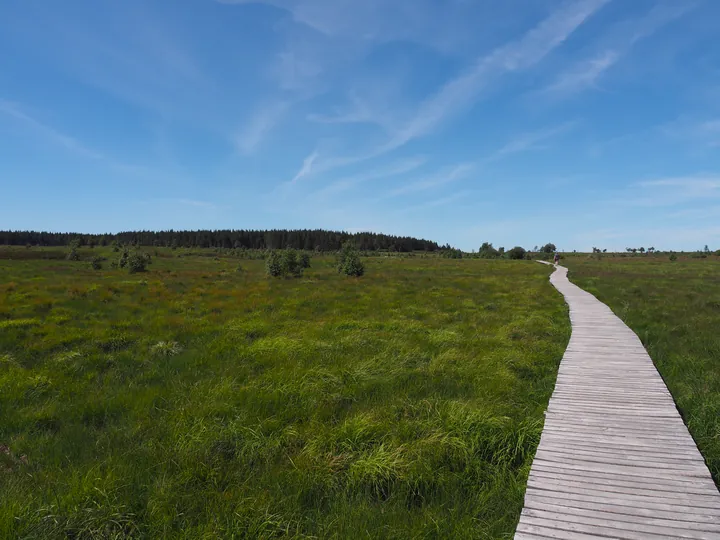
318, 240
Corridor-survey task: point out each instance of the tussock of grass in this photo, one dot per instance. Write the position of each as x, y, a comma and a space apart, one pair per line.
18, 323
166, 348
404, 404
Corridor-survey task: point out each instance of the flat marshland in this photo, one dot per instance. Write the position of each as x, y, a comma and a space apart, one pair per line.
674, 307
203, 400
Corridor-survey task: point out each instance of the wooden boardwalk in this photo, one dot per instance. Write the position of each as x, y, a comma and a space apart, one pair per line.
615, 459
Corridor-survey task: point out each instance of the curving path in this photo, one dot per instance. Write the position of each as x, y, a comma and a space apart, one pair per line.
615, 459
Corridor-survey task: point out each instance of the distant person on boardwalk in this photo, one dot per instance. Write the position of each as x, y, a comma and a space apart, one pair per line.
556, 259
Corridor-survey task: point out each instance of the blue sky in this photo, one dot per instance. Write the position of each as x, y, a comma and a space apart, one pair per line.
585, 123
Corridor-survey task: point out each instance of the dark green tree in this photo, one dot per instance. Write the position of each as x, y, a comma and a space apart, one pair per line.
348, 261
516, 253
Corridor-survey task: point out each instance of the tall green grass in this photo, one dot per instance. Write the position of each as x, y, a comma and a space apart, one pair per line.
196, 401
674, 307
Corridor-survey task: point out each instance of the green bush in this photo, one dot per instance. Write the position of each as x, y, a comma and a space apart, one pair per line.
72, 255
348, 261
673, 257
273, 265
137, 262
487, 251
516, 253
123, 260
305, 260
290, 263
96, 263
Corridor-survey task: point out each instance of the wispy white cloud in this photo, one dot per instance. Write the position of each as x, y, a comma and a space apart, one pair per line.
446, 176
701, 133
306, 168
457, 94
671, 191
696, 213
395, 169
437, 202
259, 126
528, 141
131, 53
15, 111
462, 91
359, 111
585, 73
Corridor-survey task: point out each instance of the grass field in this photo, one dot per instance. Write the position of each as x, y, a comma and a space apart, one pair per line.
199, 401
674, 307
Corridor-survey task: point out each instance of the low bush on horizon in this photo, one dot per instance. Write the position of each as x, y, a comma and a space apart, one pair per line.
194, 400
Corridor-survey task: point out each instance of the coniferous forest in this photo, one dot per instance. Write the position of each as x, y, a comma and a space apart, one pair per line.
318, 240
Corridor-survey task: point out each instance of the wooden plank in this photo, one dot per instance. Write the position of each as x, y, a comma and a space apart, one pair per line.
615, 484
671, 529
633, 493
663, 521
615, 459
597, 528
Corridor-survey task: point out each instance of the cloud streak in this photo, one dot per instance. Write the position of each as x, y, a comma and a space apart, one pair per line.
528, 141
442, 178
395, 169
459, 93
57, 137
585, 73
306, 168
260, 125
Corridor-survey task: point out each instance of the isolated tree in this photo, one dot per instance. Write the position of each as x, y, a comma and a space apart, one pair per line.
516, 253
290, 263
642, 250
348, 261
273, 265
549, 248
487, 251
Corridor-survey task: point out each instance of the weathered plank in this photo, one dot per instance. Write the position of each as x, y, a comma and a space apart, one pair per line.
615, 459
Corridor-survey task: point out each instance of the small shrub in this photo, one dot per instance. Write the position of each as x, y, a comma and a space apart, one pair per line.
72, 255
134, 261
123, 260
137, 262
96, 263
273, 265
291, 265
348, 261
673, 257
305, 260
239, 269
283, 263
